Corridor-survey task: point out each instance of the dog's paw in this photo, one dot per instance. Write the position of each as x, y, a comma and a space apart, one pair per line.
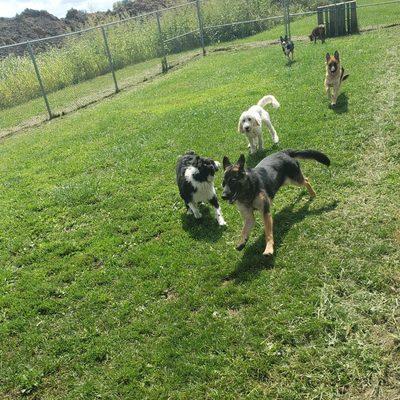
240, 246
197, 215
221, 221
269, 251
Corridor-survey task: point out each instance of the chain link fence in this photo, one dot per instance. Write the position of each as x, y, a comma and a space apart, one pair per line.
45, 78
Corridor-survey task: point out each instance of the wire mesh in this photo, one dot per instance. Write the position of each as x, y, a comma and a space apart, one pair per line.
20, 96
75, 68
368, 17
181, 29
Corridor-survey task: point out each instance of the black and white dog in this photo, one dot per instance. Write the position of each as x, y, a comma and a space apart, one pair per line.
287, 47
195, 179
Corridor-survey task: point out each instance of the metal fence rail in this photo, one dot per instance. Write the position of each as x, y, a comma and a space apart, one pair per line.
245, 22
378, 4
113, 47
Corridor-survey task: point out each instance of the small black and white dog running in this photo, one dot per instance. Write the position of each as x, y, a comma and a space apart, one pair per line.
195, 179
287, 47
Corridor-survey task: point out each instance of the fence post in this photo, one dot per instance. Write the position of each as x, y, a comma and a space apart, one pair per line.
327, 22
109, 59
287, 18
39, 78
354, 23
164, 62
201, 28
320, 15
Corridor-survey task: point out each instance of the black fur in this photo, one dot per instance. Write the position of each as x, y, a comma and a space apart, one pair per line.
245, 184
309, 154
206, 167
318, 33
287, 46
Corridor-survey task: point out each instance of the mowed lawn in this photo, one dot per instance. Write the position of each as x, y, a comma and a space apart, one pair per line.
108, 290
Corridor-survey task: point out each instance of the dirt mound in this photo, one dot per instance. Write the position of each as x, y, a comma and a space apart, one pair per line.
33, 24
28, 25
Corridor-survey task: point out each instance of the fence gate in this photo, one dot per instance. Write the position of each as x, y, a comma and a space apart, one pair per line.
339, 19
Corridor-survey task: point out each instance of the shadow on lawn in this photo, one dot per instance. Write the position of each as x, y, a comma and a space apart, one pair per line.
253, 159
206, 228
290, 62
342, 104
253, 262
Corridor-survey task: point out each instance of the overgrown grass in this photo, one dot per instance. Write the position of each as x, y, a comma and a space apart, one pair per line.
83, 57
124, 44
110, 291
80, 58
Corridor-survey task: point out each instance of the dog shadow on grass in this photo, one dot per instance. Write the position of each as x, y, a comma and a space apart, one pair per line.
342, 104
290, 62
206, 228
253, 159
253, 262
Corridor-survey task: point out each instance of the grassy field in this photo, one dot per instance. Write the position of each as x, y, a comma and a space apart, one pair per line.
84, 58
108, 290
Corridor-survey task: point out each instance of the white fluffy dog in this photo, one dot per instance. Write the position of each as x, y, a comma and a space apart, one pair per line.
250, 123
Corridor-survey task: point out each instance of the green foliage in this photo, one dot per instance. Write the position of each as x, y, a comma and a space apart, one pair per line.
110, 291
83, 57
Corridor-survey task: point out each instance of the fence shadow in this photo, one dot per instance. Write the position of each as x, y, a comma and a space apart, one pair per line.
253, 262
205, 229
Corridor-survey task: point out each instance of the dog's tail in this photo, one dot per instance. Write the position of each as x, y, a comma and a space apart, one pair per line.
309, 155
269, 100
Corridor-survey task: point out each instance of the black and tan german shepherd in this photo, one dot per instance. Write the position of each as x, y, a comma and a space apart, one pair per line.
334, 77
255, 188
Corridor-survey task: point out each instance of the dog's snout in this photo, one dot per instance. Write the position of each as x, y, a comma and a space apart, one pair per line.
247, 128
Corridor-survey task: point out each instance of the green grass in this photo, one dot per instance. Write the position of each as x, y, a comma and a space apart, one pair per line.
73, 97
384, 14
76, 94
84, 58
110, 291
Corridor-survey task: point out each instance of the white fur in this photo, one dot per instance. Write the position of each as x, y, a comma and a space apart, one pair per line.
250, 123
204, 193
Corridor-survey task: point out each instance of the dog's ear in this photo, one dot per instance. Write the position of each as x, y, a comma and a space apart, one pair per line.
240, 125
241, 161
257, 120
336, 55
328, 57
286, 38
281, 39
226, 163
